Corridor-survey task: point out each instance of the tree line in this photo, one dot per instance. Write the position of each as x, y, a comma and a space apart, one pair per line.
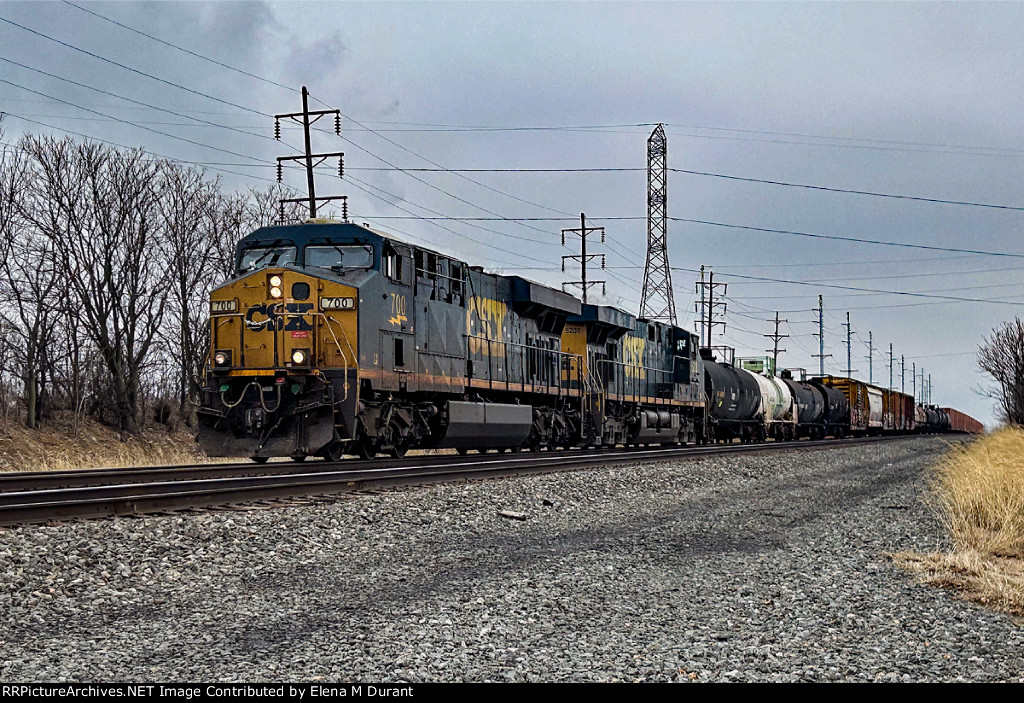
108, 259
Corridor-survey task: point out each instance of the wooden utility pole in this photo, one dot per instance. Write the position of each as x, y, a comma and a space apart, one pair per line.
775, 339
583, 257
306, 118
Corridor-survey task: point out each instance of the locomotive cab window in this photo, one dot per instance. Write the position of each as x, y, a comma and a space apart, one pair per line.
339, 256
458, 279
258, 257
395, 264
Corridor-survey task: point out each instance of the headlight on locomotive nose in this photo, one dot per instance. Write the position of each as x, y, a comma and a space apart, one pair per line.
300, 357
222, 358
274, 283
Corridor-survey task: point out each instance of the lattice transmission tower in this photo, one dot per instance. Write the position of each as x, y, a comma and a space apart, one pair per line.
657, 302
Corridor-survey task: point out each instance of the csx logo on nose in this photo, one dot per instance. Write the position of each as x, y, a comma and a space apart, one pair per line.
276, 321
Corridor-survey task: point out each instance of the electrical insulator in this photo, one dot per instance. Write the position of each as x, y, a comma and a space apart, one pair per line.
280, 172
277, 130
602, 261
337, 124
563, 239
563, 265
341, 166
344, 209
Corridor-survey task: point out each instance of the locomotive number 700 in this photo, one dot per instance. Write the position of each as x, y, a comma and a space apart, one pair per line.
397, 304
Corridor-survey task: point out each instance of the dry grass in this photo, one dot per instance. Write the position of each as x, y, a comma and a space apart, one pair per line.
979, 488
996, 582
978, 493
60, 445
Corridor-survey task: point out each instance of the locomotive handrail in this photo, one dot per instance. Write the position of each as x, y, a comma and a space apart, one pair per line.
556, 355
634, 380
344, 359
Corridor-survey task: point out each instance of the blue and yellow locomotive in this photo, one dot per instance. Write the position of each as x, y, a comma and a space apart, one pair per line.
334, 339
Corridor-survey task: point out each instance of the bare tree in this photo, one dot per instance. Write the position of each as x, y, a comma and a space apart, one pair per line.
1001, 356
189, 208
264, 208
95, 204
108, 260
29, 281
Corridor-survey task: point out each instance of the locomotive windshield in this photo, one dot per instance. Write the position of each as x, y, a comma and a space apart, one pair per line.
258, 257
339, 256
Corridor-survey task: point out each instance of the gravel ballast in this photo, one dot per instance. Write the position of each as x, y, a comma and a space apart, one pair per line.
767, 567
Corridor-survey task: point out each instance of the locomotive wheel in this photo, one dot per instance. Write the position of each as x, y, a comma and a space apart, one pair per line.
463, 451
364, 449
334, 451
298, 457
399, 445
260, 459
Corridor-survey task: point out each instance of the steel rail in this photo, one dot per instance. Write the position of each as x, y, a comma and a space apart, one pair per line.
16, 481
48, 504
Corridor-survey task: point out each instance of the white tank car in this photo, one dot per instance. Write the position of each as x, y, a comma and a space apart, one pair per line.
776, 407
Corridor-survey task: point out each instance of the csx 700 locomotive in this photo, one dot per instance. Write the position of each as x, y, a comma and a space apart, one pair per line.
334, 338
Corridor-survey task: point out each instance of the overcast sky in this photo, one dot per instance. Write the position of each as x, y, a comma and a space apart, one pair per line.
918, 100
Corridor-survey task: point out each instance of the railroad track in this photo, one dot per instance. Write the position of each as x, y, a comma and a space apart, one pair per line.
35, 497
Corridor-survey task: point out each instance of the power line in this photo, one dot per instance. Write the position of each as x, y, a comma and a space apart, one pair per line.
180, 48
829, 189
133, 124
433, 220
240, 107
859, 240
853, 288
133, 70
846, 190
124, 146
131, 100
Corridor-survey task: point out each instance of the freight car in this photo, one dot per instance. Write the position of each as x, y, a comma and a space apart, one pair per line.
334, 338
960, 422
822, 411
864, 401
936, 420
